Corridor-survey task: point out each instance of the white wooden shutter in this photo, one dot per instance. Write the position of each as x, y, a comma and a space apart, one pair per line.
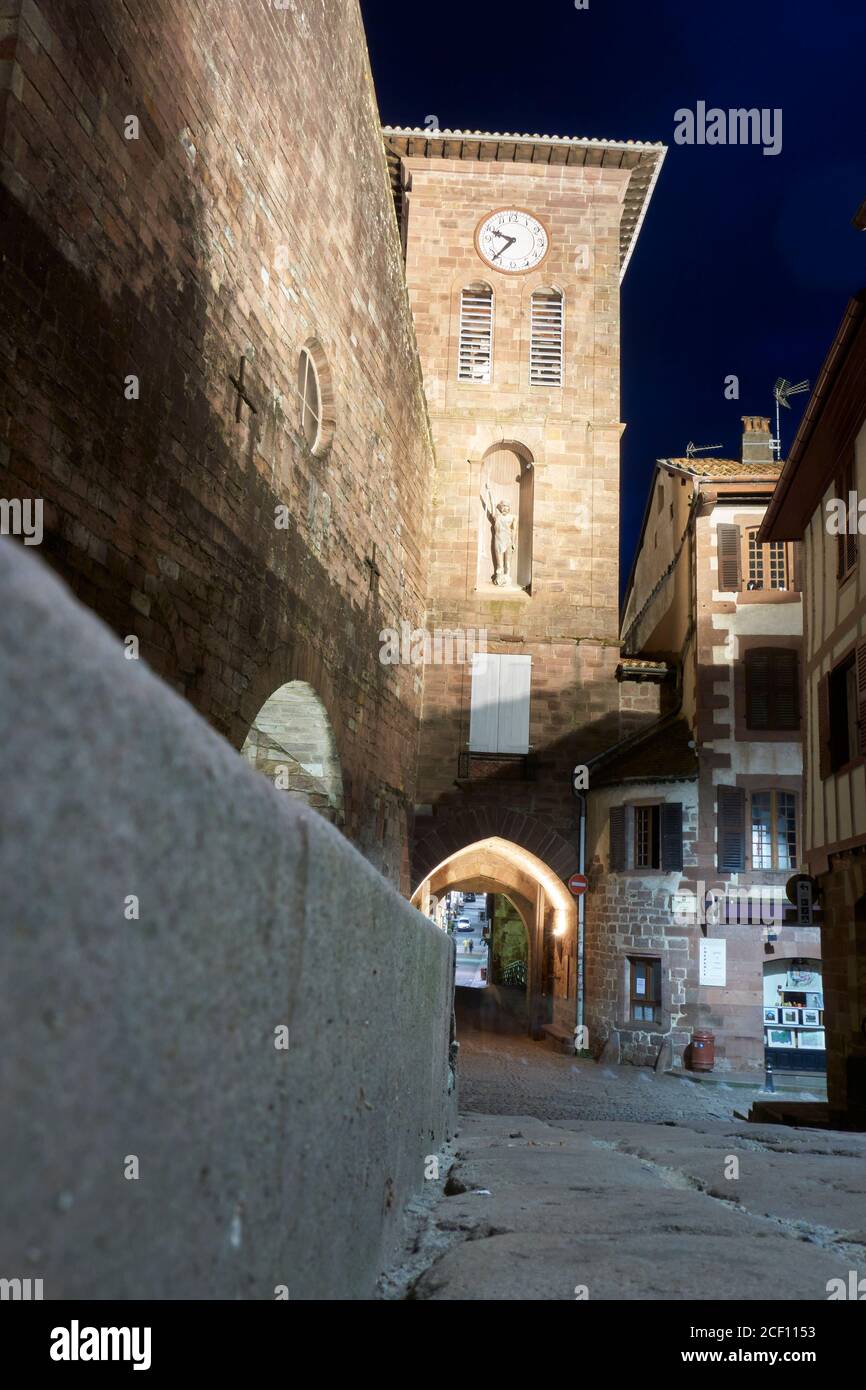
484, 711
475, 351
499, 714
545, 349
515, 674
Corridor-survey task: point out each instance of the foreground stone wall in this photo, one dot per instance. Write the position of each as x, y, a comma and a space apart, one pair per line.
151, 1037
248, 213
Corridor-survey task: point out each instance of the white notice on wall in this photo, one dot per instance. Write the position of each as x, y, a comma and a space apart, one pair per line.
713, 962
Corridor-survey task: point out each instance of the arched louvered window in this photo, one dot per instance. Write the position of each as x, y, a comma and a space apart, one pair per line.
475, 353
545, 346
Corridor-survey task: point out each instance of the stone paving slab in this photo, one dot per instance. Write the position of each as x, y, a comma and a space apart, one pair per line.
643, 1211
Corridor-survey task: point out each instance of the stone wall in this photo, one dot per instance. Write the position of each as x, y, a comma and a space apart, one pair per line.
164, 913
631, 914
247, 212
566, 619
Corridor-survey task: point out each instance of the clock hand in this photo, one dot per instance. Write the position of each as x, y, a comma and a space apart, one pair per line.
510, 240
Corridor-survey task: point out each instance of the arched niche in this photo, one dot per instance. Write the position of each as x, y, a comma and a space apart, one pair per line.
505, 479
292, 743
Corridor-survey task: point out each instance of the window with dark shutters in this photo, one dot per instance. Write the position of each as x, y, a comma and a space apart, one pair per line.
729, 556
861, 697
617, 839
772, 688
825, 753
846, 540
672, 835
731, 804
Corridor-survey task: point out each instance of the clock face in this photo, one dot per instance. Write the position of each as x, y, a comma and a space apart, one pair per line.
512, 240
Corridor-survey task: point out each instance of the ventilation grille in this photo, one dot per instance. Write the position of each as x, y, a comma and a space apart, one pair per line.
475, 354
545, 354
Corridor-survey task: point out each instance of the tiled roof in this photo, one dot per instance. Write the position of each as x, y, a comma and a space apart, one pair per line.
513, 135
725, 468
643, 158
650, 668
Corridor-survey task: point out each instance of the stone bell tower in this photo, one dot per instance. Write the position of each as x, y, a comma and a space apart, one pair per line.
515, 248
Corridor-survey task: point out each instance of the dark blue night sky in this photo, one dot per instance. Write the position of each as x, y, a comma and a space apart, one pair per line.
746, 261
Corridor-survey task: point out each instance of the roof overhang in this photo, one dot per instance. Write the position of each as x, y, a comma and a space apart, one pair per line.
643, 161
800, 488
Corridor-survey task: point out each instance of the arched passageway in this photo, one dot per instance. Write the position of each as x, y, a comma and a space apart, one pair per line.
292, 743
502, 870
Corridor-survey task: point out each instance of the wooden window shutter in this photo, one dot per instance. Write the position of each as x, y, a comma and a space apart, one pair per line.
672, 835
757, 688
784, 688
825, 752
617, 839
515, 679
772, 688
729, 557
861, 697
545, 338
731, 802
847, 543
484, 707
797, 567
475, 348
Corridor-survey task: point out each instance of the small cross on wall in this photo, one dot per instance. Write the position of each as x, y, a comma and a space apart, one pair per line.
243, 397
375, 572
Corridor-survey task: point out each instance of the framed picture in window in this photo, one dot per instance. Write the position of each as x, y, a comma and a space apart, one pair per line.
790, 1016
781, 1037
812, 1039
772, 1016
810, 1018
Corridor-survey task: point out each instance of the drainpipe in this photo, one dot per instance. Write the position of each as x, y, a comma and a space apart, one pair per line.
581, 853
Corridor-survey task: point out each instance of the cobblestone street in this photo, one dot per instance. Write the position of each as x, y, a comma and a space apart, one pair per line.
505, 1073
574, 1180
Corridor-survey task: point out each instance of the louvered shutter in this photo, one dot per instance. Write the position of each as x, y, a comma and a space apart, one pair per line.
731, 803
861, 696
784, 689
672, 835
545, 338
847, 542
825, 753
484, 709
729, 557
475, 351
617, 839
515, 675
850, 550
757, 689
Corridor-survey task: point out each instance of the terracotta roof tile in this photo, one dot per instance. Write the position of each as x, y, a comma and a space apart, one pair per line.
726, 468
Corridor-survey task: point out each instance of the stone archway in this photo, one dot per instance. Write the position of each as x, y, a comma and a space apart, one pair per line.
495, 864
292, 743
465, 828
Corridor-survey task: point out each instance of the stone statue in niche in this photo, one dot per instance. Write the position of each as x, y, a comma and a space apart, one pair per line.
504, 524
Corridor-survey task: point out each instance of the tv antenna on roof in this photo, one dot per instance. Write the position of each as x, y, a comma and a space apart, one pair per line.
692, 449
781, 391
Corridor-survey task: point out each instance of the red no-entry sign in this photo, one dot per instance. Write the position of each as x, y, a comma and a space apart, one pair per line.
578, 884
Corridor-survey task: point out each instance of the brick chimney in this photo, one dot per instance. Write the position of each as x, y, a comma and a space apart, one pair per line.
757, 440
